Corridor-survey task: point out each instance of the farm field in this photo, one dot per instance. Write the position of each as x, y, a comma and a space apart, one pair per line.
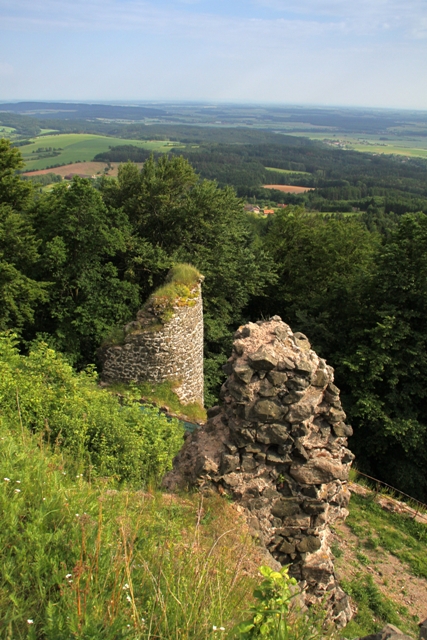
68, 148
85, 168
391, 143
288, 171
287, 188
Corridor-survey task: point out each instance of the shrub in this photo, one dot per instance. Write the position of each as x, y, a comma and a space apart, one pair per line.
42, 393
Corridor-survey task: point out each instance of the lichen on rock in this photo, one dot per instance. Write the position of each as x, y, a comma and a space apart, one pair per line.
277, 446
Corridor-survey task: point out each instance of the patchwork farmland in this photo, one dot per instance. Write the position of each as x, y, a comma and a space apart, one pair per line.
61, 149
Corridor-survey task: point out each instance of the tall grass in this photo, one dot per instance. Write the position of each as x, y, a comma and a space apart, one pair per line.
85, 560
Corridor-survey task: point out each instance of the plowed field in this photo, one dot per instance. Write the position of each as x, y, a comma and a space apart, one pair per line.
287, 188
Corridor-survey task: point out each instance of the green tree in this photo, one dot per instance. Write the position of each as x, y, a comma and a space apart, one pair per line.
175, 217
386, 366
87, 293
19, 293
322, 266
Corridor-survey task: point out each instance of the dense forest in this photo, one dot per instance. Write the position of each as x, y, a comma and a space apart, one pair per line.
79, 260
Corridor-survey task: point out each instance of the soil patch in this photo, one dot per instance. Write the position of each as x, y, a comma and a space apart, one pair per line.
391, 576
287, 188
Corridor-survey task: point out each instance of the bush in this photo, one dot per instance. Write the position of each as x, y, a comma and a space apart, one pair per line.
42, 393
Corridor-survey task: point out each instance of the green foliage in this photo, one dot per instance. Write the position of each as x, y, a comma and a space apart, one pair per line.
271, 617
87, 292
322, 265
184, 274
43, 394
179, 290
43, 179
83, 559
19, 292
160, 394
374, 609
386, 365
13, 191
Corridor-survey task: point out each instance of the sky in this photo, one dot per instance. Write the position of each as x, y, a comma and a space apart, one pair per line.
309, 52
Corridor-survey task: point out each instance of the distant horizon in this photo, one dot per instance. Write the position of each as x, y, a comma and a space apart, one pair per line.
211, 103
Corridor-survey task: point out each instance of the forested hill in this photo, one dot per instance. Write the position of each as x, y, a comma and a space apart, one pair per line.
78, 261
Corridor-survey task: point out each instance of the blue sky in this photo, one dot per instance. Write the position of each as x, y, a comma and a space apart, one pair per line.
324, 52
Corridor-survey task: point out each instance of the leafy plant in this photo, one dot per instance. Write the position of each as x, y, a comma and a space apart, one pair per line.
42, 394
273, 617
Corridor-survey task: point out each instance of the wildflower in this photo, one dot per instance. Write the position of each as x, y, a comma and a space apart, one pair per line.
128, 598
222, 628
18, 481
126, 586
6, 479
214, 628
69, 575
17, 490
30, 621
77, 515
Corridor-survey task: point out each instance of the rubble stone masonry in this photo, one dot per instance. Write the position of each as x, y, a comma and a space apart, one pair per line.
277, 446
156, 351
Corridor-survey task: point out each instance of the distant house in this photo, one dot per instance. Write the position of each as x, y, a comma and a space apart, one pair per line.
251, 208
268, 212
281, 206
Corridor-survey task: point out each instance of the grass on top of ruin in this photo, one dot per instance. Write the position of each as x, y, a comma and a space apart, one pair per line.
161, 395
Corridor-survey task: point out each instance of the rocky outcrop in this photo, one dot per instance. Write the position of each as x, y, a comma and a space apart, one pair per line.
277, 446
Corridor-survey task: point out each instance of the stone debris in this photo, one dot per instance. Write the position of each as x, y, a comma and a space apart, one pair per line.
277, 447
389, 632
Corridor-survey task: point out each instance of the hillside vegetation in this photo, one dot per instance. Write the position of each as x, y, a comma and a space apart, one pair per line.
81, 260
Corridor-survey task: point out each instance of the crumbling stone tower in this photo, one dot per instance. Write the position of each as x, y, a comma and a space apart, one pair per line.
165, 342
277, 446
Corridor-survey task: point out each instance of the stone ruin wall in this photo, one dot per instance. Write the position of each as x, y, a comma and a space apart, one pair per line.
158, 352
277, 446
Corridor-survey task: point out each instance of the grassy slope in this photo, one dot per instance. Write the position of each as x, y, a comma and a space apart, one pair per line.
88, 559
381, 562
399, 144
76, 146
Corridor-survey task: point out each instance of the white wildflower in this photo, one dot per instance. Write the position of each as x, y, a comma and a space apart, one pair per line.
125, 586
18, 482
17, 490
214, 628
6, 479
69, 575
30, 621
128, 598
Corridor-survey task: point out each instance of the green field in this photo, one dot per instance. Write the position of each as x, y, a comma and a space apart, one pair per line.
6, 132
389, 143
73, 147
288, 171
